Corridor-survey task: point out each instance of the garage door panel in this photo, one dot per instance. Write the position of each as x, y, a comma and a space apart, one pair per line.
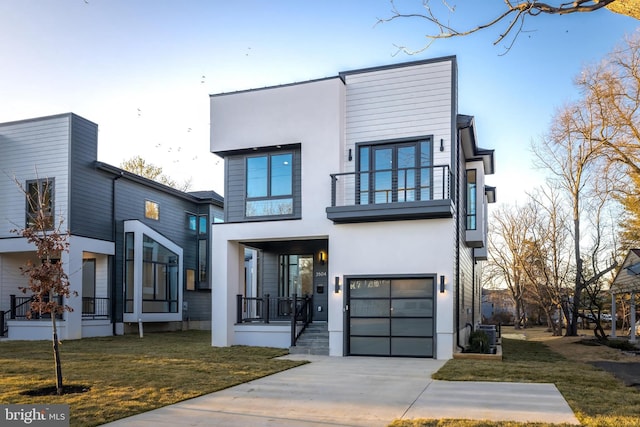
412, 328
412, 308
369, 288
370, 346
379, 327
418, 347
412, 288
370, 307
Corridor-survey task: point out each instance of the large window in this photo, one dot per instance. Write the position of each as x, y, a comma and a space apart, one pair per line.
129, 278
471, 199
159, 278
396, 172
39, 207
269, 189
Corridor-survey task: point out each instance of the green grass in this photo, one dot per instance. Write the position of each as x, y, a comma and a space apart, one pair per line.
597, 398
128, 375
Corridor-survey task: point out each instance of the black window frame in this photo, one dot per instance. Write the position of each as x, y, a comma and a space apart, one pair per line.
32, 207
368, 175
269, 178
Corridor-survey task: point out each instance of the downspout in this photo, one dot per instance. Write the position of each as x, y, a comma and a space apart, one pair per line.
114, 261
457, 257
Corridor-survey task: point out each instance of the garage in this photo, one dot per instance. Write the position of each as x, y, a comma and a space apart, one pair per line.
390, 316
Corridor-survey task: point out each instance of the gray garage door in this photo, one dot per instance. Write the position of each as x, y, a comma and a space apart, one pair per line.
391, 317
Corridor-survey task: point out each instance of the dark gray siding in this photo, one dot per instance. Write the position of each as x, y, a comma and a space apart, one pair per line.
235, 188
90, 202
130, 199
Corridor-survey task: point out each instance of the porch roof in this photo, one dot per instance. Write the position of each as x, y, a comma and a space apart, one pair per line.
628, 276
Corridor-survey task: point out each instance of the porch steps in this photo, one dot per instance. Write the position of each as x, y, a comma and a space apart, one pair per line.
314, 340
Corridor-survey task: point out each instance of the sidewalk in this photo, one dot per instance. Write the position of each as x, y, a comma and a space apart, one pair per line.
359, 391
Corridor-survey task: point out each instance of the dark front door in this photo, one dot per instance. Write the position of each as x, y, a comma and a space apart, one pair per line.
391, 317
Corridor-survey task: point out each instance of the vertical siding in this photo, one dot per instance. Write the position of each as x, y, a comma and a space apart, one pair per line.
31, 149
90, 190
402, 102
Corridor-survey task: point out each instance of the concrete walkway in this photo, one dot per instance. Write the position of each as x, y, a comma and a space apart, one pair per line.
359, 391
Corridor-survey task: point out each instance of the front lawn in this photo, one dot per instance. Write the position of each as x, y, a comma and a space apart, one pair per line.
127, 375
597, 398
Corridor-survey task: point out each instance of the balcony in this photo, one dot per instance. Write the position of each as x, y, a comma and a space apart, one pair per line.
391, 195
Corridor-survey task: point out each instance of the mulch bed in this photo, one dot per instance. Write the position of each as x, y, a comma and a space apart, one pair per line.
628, 372
52, 390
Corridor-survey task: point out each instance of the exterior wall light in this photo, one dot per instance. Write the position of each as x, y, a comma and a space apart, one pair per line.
322, 259
441, 284
336, 288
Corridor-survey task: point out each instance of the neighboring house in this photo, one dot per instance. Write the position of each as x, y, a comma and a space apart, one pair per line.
139, 250
364, 192
498, 302
627, 281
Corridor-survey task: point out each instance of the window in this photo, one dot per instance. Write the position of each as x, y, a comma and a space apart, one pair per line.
191, 279
191, 222
202, 224
129, 278
269, 188
40, 204
397, 172
202, 260
159, 278
151, 210
471, 199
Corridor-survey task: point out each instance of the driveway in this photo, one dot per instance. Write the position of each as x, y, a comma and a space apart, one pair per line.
359, 391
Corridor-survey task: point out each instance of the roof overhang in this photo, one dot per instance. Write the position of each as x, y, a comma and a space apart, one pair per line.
468, 140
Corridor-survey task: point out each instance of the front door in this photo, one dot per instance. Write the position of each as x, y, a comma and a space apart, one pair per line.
296, 275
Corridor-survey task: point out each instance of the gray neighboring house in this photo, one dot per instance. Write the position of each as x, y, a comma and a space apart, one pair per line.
139, 250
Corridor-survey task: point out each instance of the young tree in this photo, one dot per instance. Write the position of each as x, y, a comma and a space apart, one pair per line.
47, 279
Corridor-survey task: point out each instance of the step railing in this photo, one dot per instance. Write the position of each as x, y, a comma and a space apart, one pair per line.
265, 309
19, 308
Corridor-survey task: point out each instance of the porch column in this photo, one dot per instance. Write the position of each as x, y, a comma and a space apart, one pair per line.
72, 262
632, 334
613, 315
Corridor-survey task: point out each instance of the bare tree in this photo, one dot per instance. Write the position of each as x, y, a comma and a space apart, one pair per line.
47, 279
139, 166
512, 14
572, 154
508, 234
547, 262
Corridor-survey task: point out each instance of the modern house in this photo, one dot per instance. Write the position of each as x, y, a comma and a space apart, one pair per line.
139, 250
357, 202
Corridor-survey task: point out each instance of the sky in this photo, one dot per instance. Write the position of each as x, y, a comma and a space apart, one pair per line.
143, 70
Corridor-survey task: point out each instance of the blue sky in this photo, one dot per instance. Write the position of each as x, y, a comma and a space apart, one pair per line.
143, 69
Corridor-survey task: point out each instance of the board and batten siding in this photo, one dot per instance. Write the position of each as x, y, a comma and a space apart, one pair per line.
32, 149
401, 102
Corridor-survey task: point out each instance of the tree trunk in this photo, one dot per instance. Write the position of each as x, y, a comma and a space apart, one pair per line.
56, 355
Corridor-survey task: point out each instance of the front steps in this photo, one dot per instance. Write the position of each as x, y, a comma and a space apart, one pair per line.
314, 340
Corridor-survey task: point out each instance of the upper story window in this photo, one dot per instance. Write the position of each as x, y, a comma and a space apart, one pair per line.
191, 222
471, 199
151, 210
395, 172
269, 185
39, 209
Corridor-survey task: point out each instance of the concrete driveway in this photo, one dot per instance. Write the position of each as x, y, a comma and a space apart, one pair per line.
360, 391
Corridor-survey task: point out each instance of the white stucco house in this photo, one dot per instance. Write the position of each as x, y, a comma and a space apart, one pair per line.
364, 196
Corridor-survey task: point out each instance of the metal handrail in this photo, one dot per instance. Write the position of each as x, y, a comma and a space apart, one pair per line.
436, 186
266, 309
